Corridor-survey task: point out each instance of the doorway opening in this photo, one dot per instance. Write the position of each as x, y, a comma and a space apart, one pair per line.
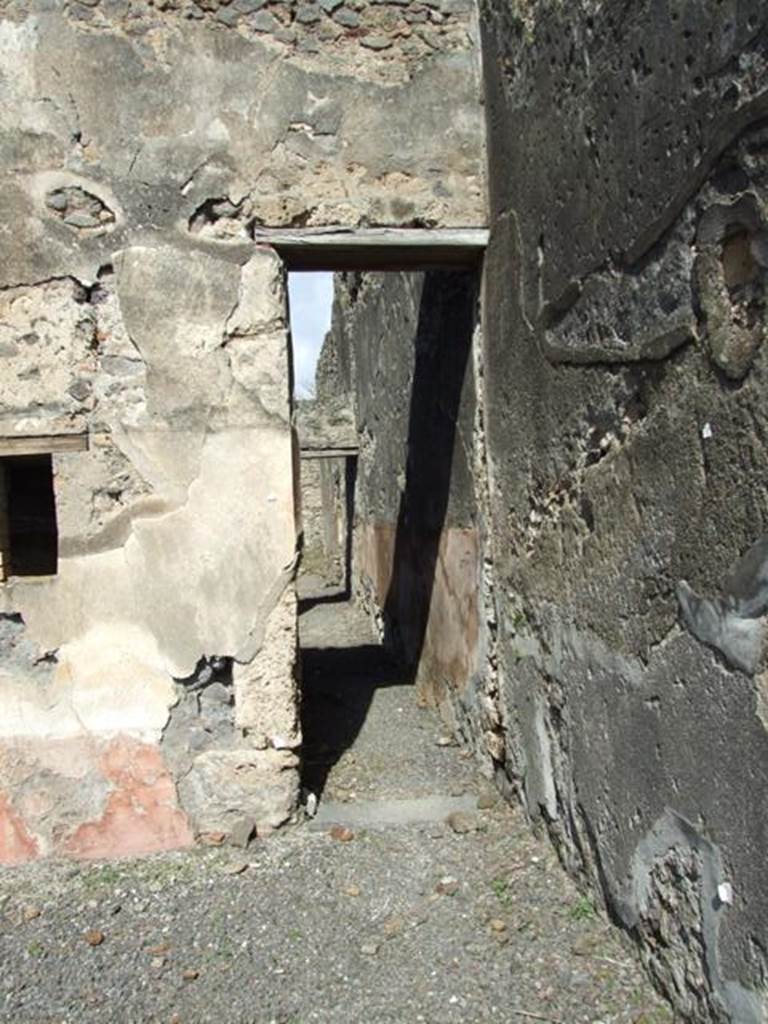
388, 515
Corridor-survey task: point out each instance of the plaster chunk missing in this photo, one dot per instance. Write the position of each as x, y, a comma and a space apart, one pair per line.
79, 209
47, 352
732, 280
673, 902
107, 682
220, 218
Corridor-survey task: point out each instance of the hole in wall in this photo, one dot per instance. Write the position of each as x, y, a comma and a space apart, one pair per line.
28, 529
739, 265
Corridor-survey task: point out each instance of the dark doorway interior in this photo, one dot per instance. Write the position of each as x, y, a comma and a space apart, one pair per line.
31, 534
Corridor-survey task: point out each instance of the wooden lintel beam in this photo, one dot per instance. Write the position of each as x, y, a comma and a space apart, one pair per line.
327, 453
43, 444
376, 248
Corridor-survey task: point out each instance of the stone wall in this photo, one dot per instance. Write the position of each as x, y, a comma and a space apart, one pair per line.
149, 683
625, 313
324, 519
207, 130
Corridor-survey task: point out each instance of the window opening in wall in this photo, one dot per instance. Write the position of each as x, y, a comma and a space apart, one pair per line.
28, 531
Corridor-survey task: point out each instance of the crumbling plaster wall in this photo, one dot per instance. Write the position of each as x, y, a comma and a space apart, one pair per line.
401, 346
187, 563
202, 129
150, 686
625, 313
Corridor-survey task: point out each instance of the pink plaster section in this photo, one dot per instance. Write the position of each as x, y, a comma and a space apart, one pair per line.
16, 844
87, 797
141, 814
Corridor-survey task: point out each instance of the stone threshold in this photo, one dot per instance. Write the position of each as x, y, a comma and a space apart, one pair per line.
390, 813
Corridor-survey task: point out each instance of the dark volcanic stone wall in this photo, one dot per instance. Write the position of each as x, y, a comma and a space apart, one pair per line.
625, 401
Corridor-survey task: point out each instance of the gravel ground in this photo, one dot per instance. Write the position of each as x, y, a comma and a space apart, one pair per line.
364, 738
455, 923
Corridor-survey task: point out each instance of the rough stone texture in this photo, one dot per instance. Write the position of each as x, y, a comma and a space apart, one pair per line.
225, 129
326, 424
237, 791
266, 709
624, 412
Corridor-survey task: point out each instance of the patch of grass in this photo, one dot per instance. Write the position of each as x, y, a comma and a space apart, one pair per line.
519, 620
105, 875
36, 949
582, 910
656, 1015
502, 892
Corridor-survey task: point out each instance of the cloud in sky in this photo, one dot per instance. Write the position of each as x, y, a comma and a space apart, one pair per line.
310, 295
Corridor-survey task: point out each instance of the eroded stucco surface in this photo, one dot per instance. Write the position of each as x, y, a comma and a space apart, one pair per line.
186, 564
625, 377
142, 147
206, 130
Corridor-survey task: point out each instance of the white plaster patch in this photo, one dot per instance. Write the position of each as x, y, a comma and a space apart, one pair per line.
261, 301
17, 41
107, 682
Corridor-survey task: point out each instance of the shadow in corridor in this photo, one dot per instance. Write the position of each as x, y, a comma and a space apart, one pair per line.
338, 687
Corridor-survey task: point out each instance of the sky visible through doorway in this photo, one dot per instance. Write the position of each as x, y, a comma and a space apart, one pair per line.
310, 296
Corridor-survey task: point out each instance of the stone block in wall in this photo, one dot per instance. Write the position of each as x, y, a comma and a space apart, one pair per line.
326, 423
266, 688
642, 312
235, 792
